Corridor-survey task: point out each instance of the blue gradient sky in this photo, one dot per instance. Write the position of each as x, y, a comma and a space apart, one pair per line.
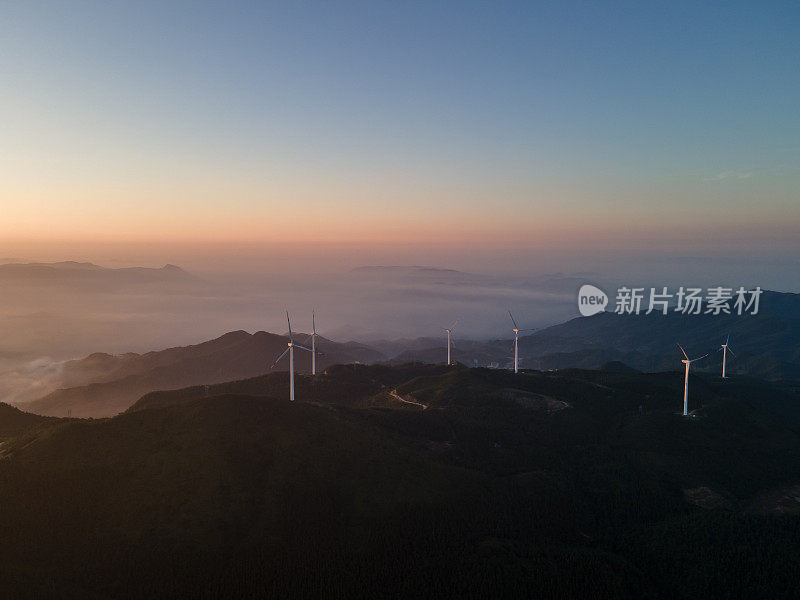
376, 122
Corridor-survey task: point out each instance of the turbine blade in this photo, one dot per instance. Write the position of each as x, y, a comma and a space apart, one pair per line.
731, 351
275, 362
313, 323
682, 350
302, 347
512, 320
290, 326
699, 358
728, 340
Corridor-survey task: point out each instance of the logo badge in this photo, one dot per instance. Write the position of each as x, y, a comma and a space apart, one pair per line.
591, 300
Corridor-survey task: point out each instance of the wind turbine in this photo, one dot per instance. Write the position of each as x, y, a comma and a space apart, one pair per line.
687, 362
516, 340
313, 344
449, 332
725, 350
291, 346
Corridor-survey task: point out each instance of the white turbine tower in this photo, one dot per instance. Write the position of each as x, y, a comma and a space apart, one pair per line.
687, 362
313, 344
725, 349
516, 340
449, 333
291, 346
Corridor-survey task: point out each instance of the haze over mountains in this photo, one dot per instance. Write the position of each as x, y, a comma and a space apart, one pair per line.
55, 310
102, 385
55, 313
765, 343
51, 313
65, 309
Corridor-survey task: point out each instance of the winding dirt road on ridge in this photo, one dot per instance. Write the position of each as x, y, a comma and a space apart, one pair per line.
397, 396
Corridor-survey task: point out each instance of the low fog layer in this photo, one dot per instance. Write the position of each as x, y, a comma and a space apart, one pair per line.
54, 312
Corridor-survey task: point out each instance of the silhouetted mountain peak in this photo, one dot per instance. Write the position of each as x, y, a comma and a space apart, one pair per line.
13, 421
239, 334
103, 385
173, 268
403, 269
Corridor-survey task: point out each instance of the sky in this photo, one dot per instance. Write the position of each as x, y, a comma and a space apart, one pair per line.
443, 132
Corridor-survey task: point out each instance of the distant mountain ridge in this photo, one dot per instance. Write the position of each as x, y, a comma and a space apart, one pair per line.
410, 269
765, 344
72, 274
71, 265
104, 385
